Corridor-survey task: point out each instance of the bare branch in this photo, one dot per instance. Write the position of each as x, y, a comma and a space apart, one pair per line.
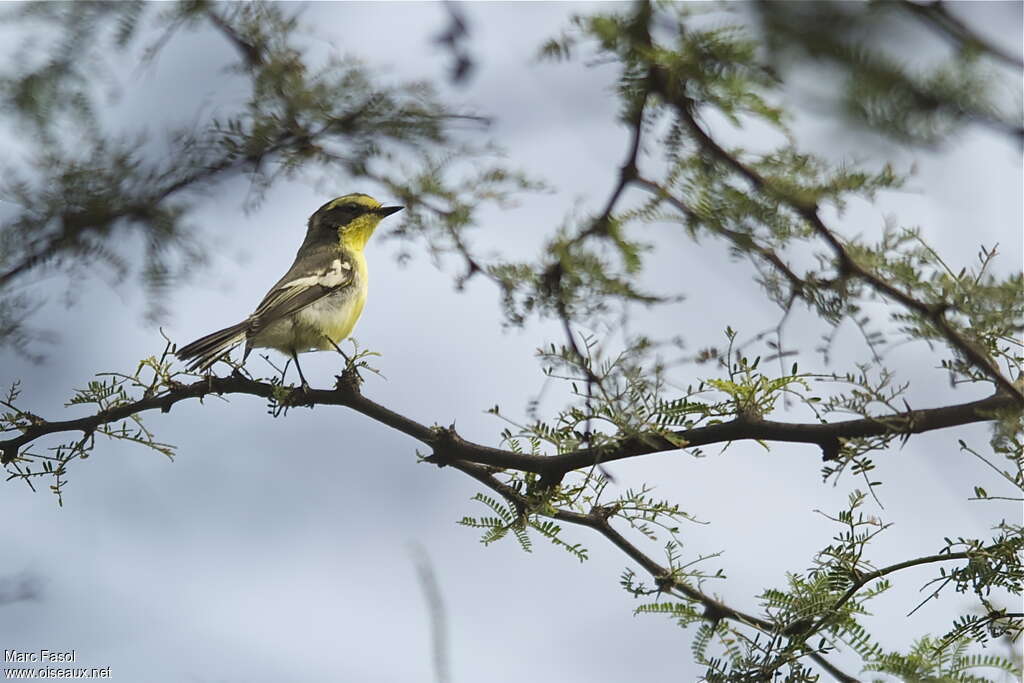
939, 18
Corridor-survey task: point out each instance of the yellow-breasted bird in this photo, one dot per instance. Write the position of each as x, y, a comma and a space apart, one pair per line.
318, 301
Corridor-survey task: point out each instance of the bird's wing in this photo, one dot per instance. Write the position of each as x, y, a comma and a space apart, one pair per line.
297, 290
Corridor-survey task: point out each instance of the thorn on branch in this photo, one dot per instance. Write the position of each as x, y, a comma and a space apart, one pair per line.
348, 382
830, 449
445, 443
845, 267
251, 54
749, 415
552, 479
798, 628
629, 171
714, 614
552, 279
436, 458
605, 512
666, 583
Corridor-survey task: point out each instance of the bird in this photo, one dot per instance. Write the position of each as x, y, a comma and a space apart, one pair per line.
318, 301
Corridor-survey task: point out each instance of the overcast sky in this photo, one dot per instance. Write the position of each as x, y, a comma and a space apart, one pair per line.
283, 550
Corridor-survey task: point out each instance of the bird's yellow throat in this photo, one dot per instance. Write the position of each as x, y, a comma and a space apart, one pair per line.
356, 234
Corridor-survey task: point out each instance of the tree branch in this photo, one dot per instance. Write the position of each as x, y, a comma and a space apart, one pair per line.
865, 579
741, 240
935, 313
75, 223
826, 436
597, 519
449, 447
960, 34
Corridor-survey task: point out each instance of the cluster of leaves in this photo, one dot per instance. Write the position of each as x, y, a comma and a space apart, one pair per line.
706, 188
986, 309
886, 92
826, 602
538, 504
942, 661
1007, 445
675, 75
114, 402
506, 519
612, 397
820, 611
993, 565
629, 396
107, 393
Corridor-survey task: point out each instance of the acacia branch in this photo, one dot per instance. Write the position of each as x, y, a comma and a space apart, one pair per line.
847, 55
599, 226
959, 33
740, 240
826, 436
554, 274
714, 610
834, 671
448, 446
251, 54
934, 313
482, 462
598, 521
864, 579
74, 223
293, 137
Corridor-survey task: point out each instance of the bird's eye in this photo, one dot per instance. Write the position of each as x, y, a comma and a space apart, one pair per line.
341, 215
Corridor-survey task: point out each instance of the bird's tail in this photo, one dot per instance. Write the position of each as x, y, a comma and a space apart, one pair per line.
204, 352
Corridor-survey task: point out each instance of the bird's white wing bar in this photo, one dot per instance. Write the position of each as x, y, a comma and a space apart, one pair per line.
339, 273
294, 295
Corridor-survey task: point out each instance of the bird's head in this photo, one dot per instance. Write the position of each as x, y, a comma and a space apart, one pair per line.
350, 219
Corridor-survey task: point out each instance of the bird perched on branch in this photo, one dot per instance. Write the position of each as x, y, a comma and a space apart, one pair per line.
318, 301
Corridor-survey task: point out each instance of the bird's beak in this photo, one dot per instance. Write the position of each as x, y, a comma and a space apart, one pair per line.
387, 210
